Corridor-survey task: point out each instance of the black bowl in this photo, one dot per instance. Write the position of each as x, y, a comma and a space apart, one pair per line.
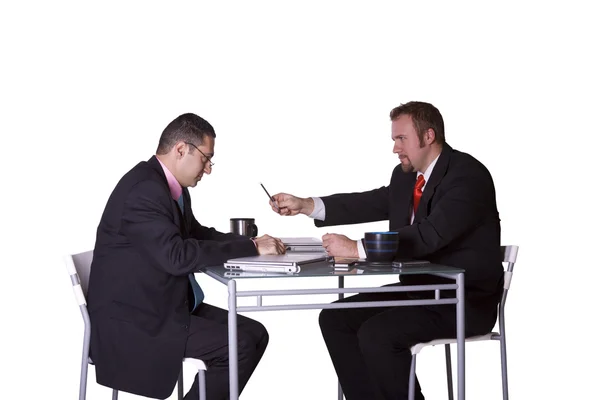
381, 246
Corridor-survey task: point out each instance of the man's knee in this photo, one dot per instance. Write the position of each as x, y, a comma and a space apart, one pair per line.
375, 339
253, 340
328, 320
263, 336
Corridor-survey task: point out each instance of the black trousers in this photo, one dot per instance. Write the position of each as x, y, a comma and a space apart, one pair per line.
370, 347
208, 341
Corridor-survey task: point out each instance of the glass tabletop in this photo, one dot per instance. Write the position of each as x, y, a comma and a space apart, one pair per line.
321, 269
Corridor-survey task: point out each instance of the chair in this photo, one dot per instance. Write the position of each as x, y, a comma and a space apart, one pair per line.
509, 256
78, 267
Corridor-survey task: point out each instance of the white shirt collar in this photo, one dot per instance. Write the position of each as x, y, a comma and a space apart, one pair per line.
428, 171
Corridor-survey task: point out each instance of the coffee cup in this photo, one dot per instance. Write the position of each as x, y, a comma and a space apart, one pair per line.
381, 246
243, 226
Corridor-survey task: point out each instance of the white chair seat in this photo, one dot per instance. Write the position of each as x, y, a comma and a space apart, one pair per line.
509, 256
78, 267
418, 347
199, 364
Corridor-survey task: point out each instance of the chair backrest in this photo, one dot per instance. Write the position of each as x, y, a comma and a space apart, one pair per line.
509, 256
78, 267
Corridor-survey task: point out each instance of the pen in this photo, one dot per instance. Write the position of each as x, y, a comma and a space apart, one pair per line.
270, 197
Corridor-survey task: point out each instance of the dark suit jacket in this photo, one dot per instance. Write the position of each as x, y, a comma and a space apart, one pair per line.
456, 224
139, 286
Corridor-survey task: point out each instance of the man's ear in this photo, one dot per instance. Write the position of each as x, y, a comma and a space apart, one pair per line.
179, 149
429, 136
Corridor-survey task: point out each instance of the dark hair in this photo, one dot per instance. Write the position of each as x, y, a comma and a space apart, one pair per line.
185, 128
424, 116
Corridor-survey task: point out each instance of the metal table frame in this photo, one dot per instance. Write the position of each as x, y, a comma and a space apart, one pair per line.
233, 309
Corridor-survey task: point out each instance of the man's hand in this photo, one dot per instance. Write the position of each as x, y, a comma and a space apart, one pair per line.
292, 205
340, 245
269, 245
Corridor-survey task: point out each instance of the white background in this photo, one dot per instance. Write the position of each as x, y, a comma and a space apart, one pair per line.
299, 95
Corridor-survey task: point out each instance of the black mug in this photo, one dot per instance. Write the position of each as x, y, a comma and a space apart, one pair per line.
243, 226
381, 247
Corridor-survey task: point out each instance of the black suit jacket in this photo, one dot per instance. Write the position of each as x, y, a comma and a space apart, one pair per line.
139, 285
456, 224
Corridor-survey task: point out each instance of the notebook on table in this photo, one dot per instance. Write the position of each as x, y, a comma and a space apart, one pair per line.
286, 263
303, 244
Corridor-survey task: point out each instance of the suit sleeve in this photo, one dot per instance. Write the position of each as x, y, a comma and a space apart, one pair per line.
147, 222
465, 204
356, 208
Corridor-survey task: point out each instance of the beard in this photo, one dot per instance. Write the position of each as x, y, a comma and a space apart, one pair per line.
406, 165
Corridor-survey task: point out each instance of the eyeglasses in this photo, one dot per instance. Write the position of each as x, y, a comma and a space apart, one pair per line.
205, 156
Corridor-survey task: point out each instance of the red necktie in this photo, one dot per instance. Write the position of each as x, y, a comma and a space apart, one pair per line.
417, 192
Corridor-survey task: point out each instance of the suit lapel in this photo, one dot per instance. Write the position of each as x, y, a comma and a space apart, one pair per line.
438, 173
187, 211
406, 200
179, 217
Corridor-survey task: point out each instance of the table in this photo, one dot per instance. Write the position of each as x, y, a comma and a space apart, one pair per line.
325, 269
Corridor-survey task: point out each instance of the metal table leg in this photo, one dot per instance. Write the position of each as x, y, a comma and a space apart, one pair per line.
341, 296
460, 334
232, 333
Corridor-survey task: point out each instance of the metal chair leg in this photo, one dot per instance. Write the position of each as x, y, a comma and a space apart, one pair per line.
202, 384
411, 381
449, 372
504, 367
115, 394
83, 377
85, 358
180, 385
340, 392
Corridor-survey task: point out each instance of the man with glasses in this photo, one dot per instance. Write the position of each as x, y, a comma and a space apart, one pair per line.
442, 203
147, 310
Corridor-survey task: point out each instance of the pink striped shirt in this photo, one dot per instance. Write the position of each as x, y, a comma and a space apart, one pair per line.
174, 186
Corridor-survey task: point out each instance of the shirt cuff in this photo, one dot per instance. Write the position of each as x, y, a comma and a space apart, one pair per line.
361, 250
319, 210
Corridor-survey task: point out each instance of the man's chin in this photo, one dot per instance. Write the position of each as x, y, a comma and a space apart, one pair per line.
407, 168
195, 182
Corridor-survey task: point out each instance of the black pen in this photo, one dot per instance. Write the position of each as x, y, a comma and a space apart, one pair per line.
270, 197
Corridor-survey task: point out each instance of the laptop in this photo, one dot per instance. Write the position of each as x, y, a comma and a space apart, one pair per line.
303, 244
286, 263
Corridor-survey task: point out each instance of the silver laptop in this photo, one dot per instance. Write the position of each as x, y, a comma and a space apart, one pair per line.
303, 244
286, 263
